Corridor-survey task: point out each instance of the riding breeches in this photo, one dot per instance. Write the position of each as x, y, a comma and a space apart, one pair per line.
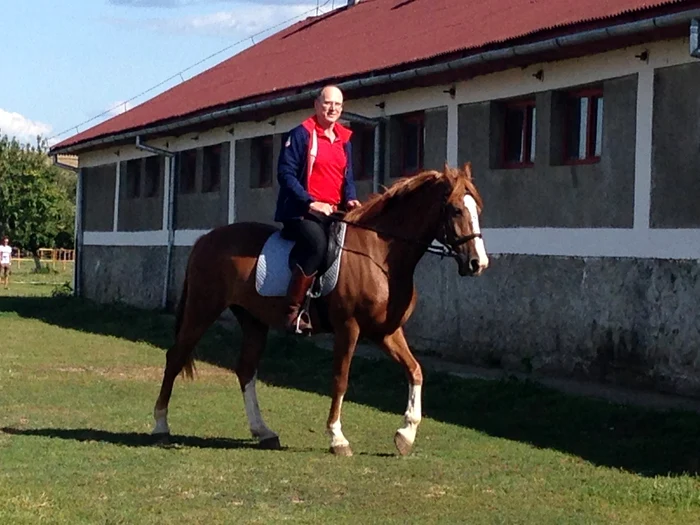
310, 236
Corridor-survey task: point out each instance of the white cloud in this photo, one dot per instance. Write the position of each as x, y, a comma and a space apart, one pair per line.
20, 127
245, 19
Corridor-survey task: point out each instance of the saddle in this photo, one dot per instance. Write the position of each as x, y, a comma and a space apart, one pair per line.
274, 268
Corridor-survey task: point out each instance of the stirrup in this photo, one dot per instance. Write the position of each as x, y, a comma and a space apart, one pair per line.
297, 324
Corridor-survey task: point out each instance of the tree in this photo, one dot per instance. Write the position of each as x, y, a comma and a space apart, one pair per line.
37, 199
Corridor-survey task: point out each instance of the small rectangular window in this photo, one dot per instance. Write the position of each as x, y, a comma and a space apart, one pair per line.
363, 151
584, 127
412, 129
261, 162
211, 171
153, 175
133, 179
520, 134
187, 171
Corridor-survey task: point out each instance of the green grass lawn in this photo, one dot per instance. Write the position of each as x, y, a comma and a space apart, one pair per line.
77, 387
25, 281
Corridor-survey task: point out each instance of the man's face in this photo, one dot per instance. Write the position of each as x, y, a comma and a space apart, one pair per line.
329, 106
5, 241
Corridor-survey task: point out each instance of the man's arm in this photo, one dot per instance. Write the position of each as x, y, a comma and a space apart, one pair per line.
292, 161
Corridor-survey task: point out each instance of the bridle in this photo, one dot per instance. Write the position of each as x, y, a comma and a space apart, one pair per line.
447, 248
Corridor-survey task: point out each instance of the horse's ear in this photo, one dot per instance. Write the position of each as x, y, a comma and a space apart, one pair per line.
467, 169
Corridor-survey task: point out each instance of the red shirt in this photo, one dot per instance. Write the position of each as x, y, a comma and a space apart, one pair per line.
325, 183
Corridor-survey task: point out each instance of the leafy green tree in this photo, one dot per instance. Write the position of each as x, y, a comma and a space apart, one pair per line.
37, 199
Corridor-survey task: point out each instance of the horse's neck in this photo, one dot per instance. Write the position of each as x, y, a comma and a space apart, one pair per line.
407, 235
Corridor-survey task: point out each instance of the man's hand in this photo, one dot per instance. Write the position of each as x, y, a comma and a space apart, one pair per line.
321, 208
351, 205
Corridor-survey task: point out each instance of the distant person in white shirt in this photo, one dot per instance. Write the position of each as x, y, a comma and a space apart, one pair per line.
5, 261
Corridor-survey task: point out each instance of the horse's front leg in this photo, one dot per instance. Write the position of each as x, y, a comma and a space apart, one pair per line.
343, 350
396, 346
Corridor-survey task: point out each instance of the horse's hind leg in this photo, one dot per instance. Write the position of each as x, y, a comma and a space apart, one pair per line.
254, 338
396, 346
194, 323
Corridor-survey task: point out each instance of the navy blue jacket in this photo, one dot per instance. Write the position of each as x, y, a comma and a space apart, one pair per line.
292, 171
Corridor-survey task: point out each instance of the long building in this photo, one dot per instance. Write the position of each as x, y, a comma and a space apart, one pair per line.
581, 120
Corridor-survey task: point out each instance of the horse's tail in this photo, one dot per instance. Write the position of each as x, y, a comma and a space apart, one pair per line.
188, 369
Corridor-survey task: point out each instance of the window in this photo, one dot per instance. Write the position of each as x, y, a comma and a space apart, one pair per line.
362, 151
412, 142
584, 126
187, 171
261, 162
211, 172
133, 179
153, 175
520, 134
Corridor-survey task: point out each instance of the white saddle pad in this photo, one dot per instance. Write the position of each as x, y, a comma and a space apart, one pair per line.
272, 273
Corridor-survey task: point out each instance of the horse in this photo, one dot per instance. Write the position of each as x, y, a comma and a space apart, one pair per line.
374, 295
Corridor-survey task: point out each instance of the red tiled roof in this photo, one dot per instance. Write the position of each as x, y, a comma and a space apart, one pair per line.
369, 36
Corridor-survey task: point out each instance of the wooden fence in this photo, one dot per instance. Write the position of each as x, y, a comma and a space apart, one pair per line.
53, 257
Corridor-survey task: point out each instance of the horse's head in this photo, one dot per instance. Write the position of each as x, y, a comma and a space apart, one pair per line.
459, 228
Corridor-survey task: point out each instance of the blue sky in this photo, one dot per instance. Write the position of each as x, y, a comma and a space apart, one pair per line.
64, 62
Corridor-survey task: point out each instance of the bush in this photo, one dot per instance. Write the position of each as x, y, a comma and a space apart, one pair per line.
62, 290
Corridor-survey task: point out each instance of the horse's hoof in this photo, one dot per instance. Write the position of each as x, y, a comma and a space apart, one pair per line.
402, 444
341, 450
271, 443
161, 439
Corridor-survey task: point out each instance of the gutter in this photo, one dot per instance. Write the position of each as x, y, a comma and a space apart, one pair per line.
170, 223
551, 44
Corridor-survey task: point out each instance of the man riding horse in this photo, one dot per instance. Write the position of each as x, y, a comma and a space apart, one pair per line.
316, 179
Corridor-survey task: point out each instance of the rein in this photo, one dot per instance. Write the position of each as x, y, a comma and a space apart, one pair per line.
447, 249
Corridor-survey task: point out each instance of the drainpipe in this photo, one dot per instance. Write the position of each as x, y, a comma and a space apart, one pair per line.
479, 58
78, 228
171, 215
375, 123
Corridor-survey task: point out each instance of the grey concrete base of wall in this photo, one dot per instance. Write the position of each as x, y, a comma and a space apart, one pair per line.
130, 274
616, 321
620, 321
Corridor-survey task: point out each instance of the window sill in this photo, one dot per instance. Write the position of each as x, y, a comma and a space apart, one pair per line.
577, 162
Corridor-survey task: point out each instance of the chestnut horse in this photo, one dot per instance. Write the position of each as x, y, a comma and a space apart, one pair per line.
374, 295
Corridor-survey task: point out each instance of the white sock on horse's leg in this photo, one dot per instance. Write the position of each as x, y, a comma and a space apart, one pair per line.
258, 428
335, 432
412, 417
161, 417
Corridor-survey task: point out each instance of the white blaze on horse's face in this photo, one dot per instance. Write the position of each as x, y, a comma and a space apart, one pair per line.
478, 260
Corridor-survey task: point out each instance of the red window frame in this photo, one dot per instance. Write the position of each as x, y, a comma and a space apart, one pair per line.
528, 129
417, 118
572, 158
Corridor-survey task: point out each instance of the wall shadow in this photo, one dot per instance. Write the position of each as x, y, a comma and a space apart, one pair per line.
645, 442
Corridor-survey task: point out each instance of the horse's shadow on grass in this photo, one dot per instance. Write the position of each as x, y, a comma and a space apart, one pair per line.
642, 441
141, 439
132, 439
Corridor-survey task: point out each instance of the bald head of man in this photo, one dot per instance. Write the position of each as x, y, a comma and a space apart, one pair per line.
328, 106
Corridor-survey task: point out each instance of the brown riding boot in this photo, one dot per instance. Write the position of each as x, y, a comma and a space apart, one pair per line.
296, 293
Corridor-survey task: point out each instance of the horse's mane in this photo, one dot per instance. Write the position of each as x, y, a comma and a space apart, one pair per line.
435, 187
